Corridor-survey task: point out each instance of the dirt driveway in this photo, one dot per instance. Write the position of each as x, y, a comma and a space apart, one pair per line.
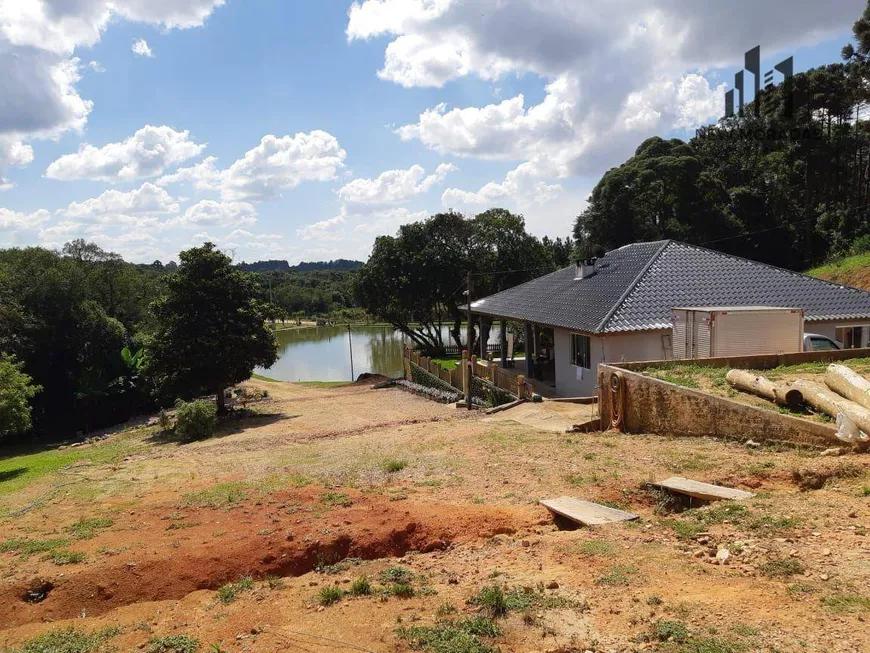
259, 539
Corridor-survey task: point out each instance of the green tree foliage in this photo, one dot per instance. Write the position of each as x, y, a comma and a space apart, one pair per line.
66, 316
788, 184
210, 329
416, 279
16, 391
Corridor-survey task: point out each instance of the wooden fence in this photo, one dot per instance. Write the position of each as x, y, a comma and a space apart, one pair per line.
487, 370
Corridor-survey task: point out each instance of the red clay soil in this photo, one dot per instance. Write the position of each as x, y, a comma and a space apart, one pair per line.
217, 546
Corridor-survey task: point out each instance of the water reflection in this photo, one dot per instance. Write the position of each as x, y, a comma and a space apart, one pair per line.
323, 353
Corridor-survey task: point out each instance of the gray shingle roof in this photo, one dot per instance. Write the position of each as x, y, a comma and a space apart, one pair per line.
635, 287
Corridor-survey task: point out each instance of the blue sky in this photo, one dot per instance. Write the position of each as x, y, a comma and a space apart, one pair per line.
374, 113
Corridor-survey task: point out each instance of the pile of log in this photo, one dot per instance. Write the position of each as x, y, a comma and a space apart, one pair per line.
845, 393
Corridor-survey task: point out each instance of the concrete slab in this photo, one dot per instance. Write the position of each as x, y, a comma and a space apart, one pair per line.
546, 415
699, 490
586, 512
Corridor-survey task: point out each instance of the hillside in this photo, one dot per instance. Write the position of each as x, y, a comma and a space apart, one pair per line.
851, 271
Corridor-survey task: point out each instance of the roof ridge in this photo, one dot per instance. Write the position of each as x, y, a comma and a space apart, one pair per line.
633, 284
773, 267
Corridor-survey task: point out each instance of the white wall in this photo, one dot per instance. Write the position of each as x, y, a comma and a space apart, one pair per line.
608, 349
830, 328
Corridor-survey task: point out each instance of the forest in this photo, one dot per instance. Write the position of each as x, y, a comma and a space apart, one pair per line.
786, 183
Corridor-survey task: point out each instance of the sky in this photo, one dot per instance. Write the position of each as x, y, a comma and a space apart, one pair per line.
303, 129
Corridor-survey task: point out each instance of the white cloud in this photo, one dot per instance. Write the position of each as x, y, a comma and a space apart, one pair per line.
209, 213
279, 164
325, 230
146, 153
388, 222
519, 186
141, 48
613, 72
37, 42
148, 199
204, 175
15, 221
393, 186
96, 66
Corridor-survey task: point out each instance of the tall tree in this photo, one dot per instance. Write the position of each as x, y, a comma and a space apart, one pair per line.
210, 327
16, 391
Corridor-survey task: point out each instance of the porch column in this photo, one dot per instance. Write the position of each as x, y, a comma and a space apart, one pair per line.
485, 326
502, 342
530, 349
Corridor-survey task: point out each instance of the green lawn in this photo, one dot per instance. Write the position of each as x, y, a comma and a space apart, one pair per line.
843, 265
17, 472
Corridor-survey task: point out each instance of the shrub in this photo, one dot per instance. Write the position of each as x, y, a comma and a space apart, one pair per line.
86, 529
397, 575
402, 590
195, 420
164, 422
462, 636
782, 568
18, 390
64, 557
67, 641
229, 592
491, 599
665, 630
393, 465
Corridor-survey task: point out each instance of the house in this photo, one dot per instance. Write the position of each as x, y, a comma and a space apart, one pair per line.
618, 307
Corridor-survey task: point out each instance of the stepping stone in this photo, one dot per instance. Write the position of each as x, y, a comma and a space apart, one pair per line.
699, 490
586, 512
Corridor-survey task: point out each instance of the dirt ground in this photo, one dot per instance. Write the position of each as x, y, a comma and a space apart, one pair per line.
243, 541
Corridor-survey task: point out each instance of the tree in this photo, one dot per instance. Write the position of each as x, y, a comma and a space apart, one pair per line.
416, 279
16, 391
210, 327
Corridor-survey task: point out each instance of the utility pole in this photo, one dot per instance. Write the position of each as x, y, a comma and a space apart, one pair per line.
469, 331
350, 346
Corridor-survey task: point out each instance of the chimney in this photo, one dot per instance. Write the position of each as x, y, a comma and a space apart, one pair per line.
584, 268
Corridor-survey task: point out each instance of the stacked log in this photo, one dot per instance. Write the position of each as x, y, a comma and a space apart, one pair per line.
829, 402
845, 381
783, 394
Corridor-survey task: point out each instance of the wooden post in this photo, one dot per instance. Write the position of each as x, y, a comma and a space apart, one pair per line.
521, 381
502, 341
530, 350
466, 378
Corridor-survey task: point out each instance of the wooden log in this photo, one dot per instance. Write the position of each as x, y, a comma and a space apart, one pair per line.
847, 382
780, 393
830, 403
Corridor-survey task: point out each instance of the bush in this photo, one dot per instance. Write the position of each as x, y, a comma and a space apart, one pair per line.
16, 391
195, 420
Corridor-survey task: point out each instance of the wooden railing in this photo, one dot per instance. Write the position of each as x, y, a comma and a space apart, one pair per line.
487, 370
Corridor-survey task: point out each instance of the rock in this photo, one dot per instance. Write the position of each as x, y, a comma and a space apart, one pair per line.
824, 576
552, 585
526, 543
826, 552
722, 556
834, 451
703, 540
699, 553
853, 515
752, 444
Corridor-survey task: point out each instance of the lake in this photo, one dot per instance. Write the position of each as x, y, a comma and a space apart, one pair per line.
323, 353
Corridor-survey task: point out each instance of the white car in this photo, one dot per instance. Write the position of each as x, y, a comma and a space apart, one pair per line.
817, 342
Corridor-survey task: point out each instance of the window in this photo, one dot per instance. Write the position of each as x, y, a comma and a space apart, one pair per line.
852, 337
580, 351
822, 344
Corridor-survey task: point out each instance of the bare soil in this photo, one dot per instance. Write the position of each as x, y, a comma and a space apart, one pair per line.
327, 485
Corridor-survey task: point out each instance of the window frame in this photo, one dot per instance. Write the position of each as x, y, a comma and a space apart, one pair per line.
865, 329
586, 353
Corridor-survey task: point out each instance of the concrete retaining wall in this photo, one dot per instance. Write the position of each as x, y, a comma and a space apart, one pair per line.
655, 406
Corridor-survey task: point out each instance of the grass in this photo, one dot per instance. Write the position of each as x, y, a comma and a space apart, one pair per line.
18, 472
841, 603
782, 567
666, 630
705, 645
842, 266
683, 529
463, 636
598, 548
87, 529
361, 587
260, 377
173, 644
618, 575
322, 384
393, 465
25, 547
449, 363
64, 557
230, 592
329, 595
336, 499
397, 575
218, 496
69, 640
401, 590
